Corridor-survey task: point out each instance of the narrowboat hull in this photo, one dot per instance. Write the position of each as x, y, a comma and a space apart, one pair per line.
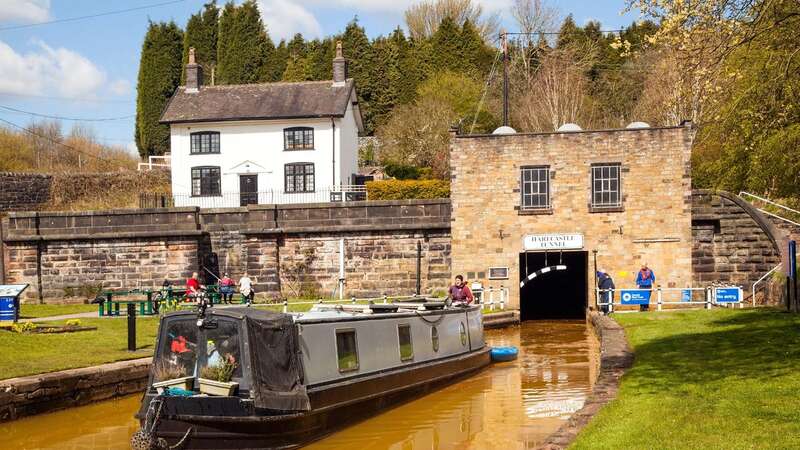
231, 423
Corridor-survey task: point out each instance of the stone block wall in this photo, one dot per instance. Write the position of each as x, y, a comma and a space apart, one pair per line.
653, 225
23, 191
732, 242
62, 254
26, 396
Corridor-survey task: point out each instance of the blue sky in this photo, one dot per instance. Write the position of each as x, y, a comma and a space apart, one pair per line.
87, 68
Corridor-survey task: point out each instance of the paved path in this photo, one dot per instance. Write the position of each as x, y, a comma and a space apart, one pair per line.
93, 315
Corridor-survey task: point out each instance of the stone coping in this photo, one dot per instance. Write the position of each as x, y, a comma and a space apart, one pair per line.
105, 236
616, 357
103, 212
36, 394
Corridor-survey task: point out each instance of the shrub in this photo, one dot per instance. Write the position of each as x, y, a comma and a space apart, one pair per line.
222, 372
73, 323
407, 189
23, 327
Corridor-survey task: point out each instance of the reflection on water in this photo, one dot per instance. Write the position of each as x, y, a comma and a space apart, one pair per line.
105, 425
509, 406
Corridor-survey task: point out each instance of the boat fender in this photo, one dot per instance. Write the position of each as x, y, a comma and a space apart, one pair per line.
503, 354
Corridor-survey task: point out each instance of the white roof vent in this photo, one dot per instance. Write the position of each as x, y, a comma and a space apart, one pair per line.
569, 127
504, 130
638, 125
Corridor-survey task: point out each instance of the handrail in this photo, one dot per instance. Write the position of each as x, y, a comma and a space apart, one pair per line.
744, 194
760, 280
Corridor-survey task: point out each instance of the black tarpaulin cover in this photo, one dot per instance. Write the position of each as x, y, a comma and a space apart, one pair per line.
275, 358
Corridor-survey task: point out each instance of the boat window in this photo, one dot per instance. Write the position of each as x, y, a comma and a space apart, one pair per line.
435, 339
178, 353
222, 344
463, 334
346, 350
404, 338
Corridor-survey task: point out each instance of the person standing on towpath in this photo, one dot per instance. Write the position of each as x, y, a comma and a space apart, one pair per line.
645, 279
606, 286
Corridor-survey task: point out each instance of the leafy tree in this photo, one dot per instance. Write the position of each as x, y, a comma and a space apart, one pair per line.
244, 50
424, 18
159, 74
201, 34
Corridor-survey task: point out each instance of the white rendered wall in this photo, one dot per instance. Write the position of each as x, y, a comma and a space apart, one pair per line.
256, 147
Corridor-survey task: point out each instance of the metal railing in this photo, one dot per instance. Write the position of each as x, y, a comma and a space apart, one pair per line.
745, 195
705, 296
334, 194
285, 304
488, 295
764, 277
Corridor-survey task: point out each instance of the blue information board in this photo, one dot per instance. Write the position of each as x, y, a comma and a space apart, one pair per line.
635, 297
728, 295
686, 295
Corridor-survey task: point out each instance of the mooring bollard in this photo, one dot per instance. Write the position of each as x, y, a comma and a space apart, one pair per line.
131, 327
353, 300
385, 298
285, 306
659, 298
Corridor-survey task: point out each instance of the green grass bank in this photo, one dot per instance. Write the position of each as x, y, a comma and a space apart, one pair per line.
720, 379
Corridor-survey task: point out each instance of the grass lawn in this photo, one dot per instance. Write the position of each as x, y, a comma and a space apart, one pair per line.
720, 379
32, 311
28, 353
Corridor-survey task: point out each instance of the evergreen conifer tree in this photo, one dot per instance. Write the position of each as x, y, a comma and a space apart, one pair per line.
244, 50
446, 46
159, 74
201, 34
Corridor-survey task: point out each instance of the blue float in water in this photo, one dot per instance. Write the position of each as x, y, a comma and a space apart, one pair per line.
503, 354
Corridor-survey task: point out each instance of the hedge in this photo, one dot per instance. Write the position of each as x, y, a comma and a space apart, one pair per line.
407, 189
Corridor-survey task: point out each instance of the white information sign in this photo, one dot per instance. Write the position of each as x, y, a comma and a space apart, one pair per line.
533, 242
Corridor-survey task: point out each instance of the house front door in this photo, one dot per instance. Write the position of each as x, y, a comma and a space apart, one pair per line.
248, 190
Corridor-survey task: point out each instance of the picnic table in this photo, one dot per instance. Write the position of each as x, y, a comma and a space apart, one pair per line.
146, 298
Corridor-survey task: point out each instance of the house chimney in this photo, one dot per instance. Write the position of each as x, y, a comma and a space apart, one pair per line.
194, 74
339, 66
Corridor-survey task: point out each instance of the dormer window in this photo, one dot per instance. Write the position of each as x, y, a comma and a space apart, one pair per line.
298, 138
204, 142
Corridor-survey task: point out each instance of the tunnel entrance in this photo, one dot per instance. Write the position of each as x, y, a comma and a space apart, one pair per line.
555, 286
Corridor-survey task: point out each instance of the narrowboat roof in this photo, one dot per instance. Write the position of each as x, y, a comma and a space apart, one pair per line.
329, 314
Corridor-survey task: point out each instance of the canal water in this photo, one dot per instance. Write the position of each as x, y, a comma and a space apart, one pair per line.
510, 406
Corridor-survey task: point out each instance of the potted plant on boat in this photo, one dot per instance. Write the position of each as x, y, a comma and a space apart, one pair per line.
171, 376
216, 379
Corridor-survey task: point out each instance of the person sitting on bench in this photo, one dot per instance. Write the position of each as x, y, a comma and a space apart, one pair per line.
193, 286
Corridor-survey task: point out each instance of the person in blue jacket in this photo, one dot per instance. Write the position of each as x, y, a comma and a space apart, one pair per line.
645, 279
606, 286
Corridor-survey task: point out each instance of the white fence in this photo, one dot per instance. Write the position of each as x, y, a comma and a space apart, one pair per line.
705, 297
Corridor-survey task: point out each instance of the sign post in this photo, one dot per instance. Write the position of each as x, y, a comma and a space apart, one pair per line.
635, 296
535, 242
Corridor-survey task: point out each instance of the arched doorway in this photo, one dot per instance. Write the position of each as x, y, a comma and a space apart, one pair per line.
553, 285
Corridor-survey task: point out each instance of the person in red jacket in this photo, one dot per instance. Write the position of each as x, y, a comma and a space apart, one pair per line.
193, 286
459, 292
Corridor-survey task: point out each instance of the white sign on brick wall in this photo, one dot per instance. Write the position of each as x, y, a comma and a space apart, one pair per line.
533, 242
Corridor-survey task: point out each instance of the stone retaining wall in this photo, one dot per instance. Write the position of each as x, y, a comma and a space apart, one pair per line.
287, 250
732, 241
26, 396
23, 191
615, 358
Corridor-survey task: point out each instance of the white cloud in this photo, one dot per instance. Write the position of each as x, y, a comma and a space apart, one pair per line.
284, 18
31, 11
120, 87
48, 70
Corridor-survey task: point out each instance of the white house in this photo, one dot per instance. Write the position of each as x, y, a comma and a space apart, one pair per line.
281, 142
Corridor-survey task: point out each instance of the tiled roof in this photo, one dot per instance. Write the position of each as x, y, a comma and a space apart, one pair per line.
258, 101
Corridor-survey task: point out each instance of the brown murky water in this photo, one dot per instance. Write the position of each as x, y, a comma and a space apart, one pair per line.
510, 406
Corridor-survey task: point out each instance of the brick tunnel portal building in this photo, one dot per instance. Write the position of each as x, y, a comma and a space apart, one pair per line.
533, 202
